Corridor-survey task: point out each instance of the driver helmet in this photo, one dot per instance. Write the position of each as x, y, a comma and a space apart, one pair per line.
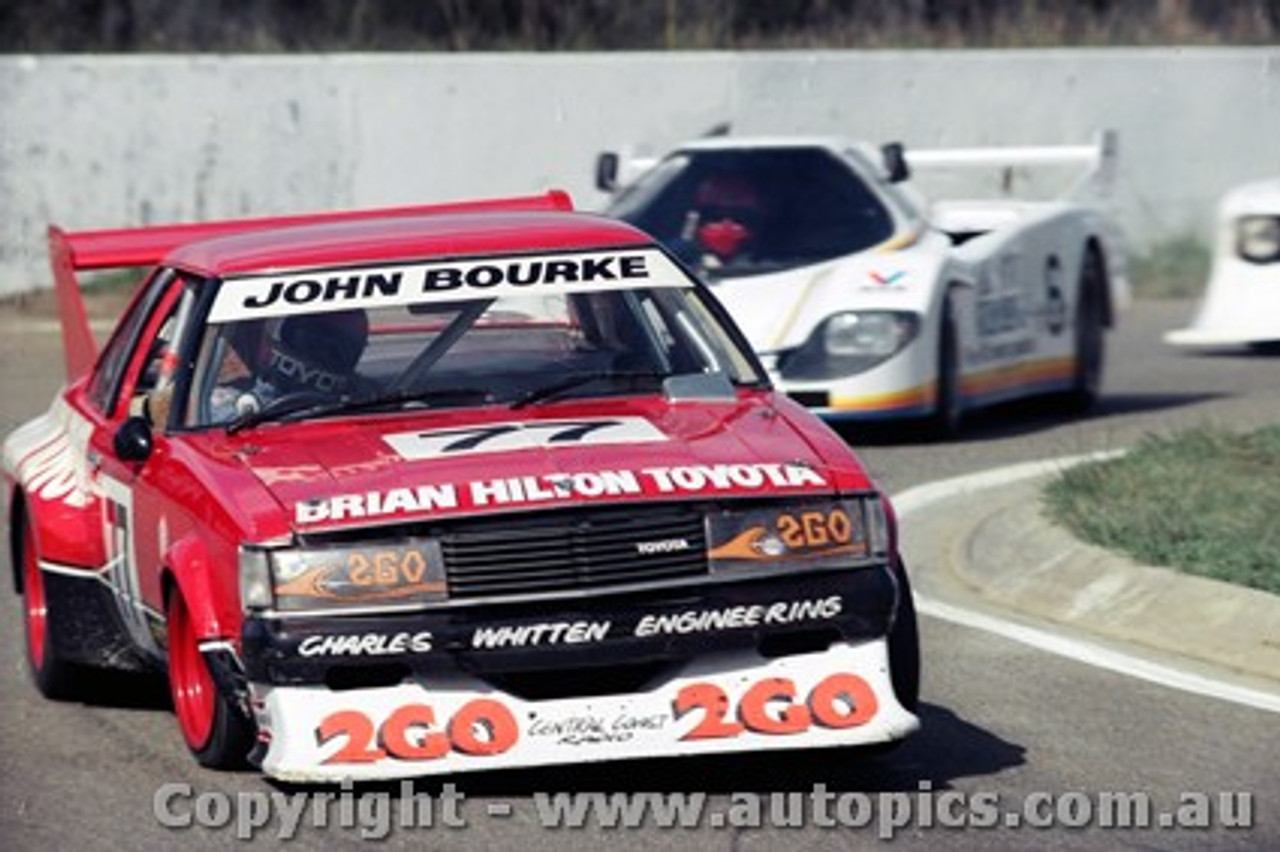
729, 214
317, 352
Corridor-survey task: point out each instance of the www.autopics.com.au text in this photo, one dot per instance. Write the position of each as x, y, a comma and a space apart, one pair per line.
375, 815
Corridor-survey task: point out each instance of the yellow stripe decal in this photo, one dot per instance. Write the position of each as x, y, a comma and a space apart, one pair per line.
899, 241
794, 312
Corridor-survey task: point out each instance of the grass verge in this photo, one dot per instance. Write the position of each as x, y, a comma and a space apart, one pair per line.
1204, 501
1174, 268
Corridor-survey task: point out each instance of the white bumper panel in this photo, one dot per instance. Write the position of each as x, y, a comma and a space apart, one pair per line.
1241, 305
729, 703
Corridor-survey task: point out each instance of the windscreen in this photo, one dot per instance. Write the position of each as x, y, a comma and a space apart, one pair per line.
362, 342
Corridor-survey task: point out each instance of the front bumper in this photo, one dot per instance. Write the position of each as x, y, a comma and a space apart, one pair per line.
720, 703
904, 386
782, 661
890, 405
1240, 307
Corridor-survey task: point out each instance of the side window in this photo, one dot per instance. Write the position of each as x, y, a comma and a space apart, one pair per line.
148, 388
115, 357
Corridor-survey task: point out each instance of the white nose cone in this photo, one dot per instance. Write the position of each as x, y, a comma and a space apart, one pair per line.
1241, 303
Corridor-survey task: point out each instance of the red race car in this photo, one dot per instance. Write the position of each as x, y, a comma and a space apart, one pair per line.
437, 489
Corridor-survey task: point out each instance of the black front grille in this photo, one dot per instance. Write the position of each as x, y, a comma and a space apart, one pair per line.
562, 552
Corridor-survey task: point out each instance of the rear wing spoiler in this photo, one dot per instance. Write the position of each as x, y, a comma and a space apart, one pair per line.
71, 252
1097, 161
615, 170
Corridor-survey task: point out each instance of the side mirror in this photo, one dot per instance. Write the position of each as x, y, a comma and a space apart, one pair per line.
132, 440
895, 162
607, 171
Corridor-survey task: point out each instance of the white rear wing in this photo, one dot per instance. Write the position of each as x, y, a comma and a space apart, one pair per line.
1094, 174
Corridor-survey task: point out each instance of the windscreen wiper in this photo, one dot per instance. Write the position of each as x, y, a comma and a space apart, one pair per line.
276, 410
284, 407
568, 383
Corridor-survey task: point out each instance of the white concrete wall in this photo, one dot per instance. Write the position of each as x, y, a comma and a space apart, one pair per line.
95, 141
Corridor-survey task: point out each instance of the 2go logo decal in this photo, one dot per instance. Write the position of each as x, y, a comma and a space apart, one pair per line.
485, 727
482, 727
815, 529
771, 706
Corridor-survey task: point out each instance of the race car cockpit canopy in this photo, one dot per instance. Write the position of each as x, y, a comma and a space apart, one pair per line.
747, 211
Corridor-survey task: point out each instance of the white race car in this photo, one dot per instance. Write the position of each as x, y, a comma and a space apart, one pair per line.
1241, 304
867, 302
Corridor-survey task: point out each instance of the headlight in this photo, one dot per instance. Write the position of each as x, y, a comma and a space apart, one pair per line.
1258, 238
838, 533
367, 575
869, 334
255, 578
849, 343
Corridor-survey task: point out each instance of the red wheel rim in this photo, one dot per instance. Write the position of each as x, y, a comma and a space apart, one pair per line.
35, 608
189, 679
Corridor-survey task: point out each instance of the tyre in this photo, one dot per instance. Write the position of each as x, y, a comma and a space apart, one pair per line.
904, 660
904, 647
1090, 334
948, 408
53, 676
216, 731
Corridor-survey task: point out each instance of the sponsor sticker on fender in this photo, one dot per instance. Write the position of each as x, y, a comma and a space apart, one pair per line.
841, 696
260, 296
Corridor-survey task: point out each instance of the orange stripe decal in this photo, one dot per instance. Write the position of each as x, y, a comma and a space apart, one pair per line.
890, 400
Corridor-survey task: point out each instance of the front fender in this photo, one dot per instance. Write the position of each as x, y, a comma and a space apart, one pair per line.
191, 571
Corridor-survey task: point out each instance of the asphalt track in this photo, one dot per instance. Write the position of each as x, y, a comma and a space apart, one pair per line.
1015, 705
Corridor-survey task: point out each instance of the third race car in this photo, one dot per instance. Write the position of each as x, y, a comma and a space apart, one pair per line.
1241, 302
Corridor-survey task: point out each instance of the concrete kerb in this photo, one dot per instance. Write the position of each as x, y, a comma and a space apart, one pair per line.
985, 539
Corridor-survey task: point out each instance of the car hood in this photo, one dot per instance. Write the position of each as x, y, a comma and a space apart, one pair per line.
331, 474
779, 311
